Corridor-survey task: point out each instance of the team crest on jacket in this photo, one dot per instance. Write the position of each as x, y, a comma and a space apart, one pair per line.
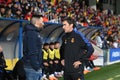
72, 40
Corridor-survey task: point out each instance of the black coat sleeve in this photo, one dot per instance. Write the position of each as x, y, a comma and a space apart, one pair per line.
62, 48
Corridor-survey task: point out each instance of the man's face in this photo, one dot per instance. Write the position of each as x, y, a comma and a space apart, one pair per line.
52, 46
2, 10
40, 23
57, 45
67, 27
46, 47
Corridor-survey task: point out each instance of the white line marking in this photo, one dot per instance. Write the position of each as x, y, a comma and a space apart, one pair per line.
110, 79
117, 76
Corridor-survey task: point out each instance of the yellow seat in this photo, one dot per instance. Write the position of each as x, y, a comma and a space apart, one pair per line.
15, 61
9, 64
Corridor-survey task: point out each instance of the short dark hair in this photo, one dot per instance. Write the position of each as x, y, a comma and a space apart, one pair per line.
52, 43
56, 42
36, 16
45, 44
70, 21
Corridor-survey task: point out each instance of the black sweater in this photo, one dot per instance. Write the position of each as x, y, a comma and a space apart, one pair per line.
72, 50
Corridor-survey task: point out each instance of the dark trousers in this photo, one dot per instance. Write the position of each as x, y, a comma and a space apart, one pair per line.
45, 70
2, 74
51, 69
89, 63
58, 67
73, 76
21, 78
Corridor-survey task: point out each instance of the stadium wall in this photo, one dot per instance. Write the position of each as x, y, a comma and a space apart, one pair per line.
113, 56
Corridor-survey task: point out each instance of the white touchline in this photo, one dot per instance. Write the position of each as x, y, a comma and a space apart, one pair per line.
110, 79
117, 76
114, 77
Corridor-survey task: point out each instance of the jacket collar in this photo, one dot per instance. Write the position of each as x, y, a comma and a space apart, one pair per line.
30, 27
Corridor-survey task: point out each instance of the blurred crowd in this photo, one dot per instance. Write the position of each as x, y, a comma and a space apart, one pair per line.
55, 12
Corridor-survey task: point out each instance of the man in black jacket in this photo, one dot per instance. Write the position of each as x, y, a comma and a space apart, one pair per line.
32, 48
18, 70
72, 51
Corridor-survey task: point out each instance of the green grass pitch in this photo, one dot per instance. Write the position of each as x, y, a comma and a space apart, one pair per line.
110, 72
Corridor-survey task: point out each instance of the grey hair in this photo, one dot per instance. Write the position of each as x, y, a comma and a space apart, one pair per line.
33, 20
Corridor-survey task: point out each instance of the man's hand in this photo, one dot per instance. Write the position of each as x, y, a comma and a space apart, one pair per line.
46, 64
56, 61
51, 62
63, 62
76, 64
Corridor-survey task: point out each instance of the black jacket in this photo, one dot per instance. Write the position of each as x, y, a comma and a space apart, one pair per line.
72, 50
32, 47
2, 61
18, 70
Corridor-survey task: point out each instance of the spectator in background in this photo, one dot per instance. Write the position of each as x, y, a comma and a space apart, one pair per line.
14, 8
8, 13
2, 11
98, 40
32, 48
28, 16
55, 19
45, 18
115, 44
9, 1
110, 40
105, 43
1, 1
119, 38
9, 6
18, 14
